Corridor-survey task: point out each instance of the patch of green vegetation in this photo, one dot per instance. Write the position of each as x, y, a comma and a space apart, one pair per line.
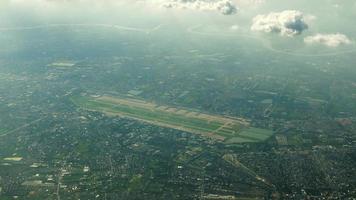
3, 131
82, 148
239, 140
155, 187
64, 64
73, 178
135, 183
256, 133
295, 140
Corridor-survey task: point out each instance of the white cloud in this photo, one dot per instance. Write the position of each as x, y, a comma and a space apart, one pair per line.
225, 7
250, 2
235, 27
330, 40
286, 23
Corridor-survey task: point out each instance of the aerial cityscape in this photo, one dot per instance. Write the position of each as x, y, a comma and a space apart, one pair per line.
177, 99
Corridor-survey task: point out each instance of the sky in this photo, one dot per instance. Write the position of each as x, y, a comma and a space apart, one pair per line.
328, 23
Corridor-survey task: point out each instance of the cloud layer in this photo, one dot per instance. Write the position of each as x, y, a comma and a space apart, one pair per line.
330, 40
225, 7
286, 23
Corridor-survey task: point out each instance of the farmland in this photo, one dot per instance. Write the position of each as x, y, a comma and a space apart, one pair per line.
222, 128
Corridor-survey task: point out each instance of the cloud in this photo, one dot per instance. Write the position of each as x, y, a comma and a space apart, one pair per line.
235, 27
330, 40
286, 23
225, 7
250, 2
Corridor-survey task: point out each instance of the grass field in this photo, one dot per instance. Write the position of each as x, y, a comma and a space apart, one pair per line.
3, 130
232, 130
62, 64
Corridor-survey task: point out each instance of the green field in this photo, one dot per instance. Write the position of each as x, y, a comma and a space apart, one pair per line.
3, 131
251, 135
233, 130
